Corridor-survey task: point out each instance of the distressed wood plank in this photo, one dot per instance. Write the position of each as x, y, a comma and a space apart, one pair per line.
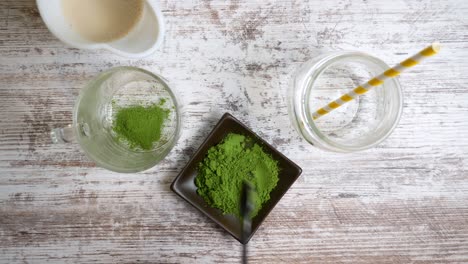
401, 202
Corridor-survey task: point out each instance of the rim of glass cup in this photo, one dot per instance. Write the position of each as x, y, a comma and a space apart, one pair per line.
172, 141
306, 125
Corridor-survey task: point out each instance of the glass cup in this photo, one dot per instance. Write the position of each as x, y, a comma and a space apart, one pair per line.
94, 114
357, 125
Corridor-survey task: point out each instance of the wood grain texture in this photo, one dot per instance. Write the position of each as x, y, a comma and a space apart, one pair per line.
405, 201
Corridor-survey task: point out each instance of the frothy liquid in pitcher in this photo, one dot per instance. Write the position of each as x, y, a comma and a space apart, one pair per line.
102, 20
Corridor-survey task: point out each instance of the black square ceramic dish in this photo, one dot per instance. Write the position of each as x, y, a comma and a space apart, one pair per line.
184, 184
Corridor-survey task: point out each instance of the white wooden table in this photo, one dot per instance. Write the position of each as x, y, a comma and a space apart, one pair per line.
405, 201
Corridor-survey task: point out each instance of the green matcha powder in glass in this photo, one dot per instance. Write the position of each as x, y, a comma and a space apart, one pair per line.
140, 126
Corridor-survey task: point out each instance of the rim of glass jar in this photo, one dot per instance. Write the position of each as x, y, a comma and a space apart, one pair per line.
170, 142
316, 136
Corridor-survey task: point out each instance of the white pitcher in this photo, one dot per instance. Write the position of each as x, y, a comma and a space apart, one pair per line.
141, 41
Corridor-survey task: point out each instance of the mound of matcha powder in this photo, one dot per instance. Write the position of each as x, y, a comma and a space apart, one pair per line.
227, 165
140, 126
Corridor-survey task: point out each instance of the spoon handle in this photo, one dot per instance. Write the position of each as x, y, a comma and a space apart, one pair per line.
246, 222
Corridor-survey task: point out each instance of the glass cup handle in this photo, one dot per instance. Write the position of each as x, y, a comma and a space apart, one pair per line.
62, 135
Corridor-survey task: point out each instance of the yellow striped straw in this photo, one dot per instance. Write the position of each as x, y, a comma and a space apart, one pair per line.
379, 79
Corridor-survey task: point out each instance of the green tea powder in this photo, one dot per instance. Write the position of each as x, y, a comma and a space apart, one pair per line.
227, 165
140, 126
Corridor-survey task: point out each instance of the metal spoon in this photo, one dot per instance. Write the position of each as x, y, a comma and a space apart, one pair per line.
246, 221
